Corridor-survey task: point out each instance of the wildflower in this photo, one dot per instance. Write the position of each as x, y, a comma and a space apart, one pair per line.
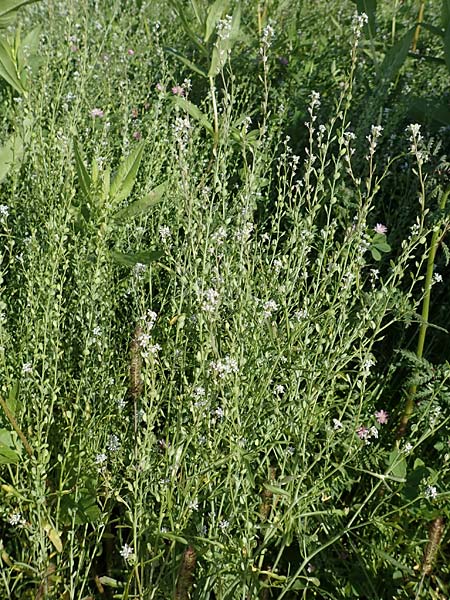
165, 234
152, 350
224, 524
300, 315
279, 389
437, 278
211, 300
27, 368
16, 519
97, 112
199, 392
224, 367
431, 492
4, 210
269, 308
407, 448
177, 90
96, 331
139, 269
381, 417
130, 52
193, 505
337, 424
224, 27
159, 87
113, 443
100, 458
219, 412
368, 364
291, 450
363, 433
373, 432
127, 551
137, 135
379, 228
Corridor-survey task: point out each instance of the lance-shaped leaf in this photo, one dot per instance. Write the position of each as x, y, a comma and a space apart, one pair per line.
125, 178
83, 176
8, 454
142, 205
11, 153
9, 6
396, 56
129, 260
216, 10
195, 112
8, 68
186, 61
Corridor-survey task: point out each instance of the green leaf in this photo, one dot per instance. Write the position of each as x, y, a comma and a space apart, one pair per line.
83, 176
216, 10
382, 247
186, 61
11, 153
143, 205
276, 490
421, 110
13, 398
194, 112
8, 456
397, 461
396, 56
125, 178
180, 10
8, 68
129, 260
8, 6
108, 581
375, 253
447, 47
174, 537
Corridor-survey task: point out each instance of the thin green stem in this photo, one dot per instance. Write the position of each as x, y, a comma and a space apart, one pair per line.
409, 406
16, 427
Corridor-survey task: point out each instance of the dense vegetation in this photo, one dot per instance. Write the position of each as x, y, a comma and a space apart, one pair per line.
224, 309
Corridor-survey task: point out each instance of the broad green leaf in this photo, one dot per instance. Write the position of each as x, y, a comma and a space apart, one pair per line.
383, 247
125, 178
8, 456
83, 176
375, 253
7, 20
54, 537
8, 68
396, 56
421, 110
194, 112
397, 461
13, 398
216, 11
186, 61
176, 538
142, 205
217, 61
8, 6
108, 581
447, 47
11, 153
129, 260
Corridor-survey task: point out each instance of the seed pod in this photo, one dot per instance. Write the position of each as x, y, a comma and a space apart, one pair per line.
186, 574
434, 539
136, 384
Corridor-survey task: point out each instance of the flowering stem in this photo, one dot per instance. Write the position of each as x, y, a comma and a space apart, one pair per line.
409, 406
216, 117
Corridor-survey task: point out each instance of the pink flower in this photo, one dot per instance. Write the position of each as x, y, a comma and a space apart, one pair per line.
363, 433
379, 228
130, 52
177, 90
137, 135
382, 417
159, 87
97, 112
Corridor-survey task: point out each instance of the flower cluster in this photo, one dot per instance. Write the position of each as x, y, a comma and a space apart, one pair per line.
223, 368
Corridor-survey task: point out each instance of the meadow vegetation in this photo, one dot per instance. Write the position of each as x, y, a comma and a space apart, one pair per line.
224, 299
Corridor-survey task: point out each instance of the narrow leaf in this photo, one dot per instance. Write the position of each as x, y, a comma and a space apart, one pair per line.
215, 12
142, 205
186, 61
8, 68
194, 112
396, 56
54, 537
13, 398
83, 176
8, 6
11, 153
129, 260
125, 178
8, 456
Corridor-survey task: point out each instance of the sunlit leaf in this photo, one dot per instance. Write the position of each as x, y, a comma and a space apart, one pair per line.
125, 178
8, 67
194, 112
129, 260
215, 12
143, 204
83, 176
396, 56
11, 153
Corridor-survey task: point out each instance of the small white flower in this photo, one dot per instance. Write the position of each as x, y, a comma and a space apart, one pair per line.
127, 552
224, 367
290, 450
16, 519
337, 424
165, 234
269, 307
279, 389
199, 392
301, 315
437, 278
219, 412
431, 492
96, 331
211, 300
100, 458
27, 368
113, 444
193, 505
4, 210
224, 524
139, 269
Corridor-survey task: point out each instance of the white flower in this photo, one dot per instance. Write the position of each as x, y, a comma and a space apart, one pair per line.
211, 299
279, 389
407, 448
337, 424
165, 233
269, 307
300, 315
100, 458
430, 492
437, 278
193, 505
27, 368
4, 210
127, 552
224, 524
113, 443
96, 331
16, 519
224, 367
